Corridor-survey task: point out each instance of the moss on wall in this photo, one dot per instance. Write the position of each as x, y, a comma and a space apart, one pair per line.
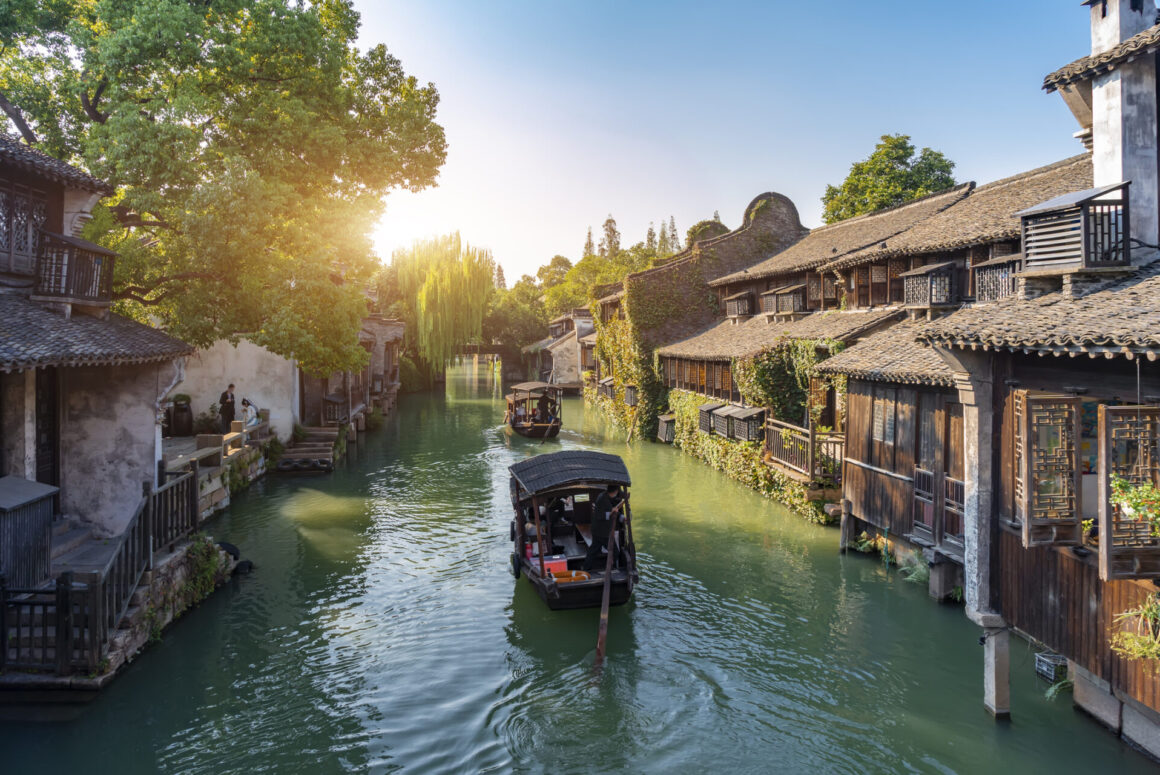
740, 460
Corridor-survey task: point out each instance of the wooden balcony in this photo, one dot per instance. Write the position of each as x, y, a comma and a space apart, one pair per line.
74, 270
1083, 230
996, 279
929, 286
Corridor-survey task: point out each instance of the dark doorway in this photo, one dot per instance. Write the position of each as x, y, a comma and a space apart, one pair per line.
47, 429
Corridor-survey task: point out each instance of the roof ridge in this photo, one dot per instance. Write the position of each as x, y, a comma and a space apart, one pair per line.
866, 216
1027, 174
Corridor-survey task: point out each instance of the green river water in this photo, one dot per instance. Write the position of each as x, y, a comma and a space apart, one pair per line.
382, 631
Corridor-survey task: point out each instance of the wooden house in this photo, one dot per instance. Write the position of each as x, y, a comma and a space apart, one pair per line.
1054, 367
346, 397
80, 387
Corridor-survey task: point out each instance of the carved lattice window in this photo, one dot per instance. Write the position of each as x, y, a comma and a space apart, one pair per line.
940, 288
1130, 449
829, 287
1047, 471
23, 212
814, 288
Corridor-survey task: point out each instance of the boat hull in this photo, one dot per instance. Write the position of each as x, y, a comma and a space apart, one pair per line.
538, 431
581, 594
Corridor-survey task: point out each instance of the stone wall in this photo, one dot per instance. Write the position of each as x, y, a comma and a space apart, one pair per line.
108, 440
268, 380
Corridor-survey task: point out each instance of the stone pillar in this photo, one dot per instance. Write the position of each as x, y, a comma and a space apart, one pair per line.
973, 374
997, 671
848, 530
30, 424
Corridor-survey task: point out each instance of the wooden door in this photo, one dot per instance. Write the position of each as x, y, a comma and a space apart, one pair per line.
47, 428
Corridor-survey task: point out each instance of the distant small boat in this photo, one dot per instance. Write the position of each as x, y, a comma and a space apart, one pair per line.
553, 496
533, 409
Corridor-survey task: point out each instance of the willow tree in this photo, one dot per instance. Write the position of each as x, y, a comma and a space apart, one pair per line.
441, 287
251, 143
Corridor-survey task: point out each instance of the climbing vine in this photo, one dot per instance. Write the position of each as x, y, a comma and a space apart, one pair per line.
739, 460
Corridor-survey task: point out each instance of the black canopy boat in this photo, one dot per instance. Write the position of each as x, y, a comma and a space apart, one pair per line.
553, 496
533, 409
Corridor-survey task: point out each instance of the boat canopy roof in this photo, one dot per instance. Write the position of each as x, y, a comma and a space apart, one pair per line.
528, 387
547, 472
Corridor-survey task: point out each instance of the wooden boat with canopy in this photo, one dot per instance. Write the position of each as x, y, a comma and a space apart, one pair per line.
533, 409
553, 496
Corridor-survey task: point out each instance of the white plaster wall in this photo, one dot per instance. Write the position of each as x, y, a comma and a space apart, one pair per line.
566, 361
107, 440
268, 380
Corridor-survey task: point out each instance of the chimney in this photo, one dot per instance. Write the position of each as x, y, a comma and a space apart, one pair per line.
1114, 21
1124, 113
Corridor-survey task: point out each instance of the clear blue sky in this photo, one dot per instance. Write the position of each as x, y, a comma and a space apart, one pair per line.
559, 113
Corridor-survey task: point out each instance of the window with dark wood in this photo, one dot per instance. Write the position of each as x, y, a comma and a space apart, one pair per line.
954, 493
862, 286
927, 464
813, 291
701, 377
829, 288
23, 212
879, 289
882, 426
726, 381
1129, 449
1047, 474
895, 268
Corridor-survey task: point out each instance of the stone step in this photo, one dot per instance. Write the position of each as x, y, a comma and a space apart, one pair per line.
297, 454
63, 543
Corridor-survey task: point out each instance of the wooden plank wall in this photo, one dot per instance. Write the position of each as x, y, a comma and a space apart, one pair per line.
1057, 598
881, 500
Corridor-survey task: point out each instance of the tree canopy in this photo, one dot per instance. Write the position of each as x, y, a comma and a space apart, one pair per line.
892, 175
251, 144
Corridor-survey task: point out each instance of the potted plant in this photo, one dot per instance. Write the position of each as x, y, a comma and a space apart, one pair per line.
1140, 502
1140, 638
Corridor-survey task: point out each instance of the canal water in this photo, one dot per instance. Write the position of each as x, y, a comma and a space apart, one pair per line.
381, 631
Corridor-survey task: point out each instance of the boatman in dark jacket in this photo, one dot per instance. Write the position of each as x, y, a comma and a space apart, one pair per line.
607, 513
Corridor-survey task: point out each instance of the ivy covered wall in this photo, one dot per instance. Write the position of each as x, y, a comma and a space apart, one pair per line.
671, 301
738, 459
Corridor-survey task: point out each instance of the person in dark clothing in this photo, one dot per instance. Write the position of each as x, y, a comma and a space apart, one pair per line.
226, 408
607, 513
543, 406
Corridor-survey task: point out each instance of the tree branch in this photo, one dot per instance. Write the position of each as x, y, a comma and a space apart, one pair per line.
129, 219
138, 293
17, 118
90, 105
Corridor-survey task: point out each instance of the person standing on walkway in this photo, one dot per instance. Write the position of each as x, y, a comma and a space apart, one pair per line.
606, 515
226, 408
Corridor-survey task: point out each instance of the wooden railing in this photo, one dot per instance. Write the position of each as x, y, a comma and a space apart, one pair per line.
74, 270
789, 445
114, 585
175, 510
333, 410
67, 626
812, 453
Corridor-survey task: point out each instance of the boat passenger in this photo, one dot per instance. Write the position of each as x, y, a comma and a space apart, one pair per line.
543, 407
606, 514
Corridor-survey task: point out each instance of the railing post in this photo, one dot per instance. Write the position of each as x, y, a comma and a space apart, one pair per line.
147, 518
64, 623
3, 622
812, 453
194, 495
97, 624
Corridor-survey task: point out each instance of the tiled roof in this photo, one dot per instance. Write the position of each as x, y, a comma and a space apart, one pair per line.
1118, 317
14, 152
1144, 42
726, 340
842, 326
891, 355
986, 215
828, 243
32, 336
588, 338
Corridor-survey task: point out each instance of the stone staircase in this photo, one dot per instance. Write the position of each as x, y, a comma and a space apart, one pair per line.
317, 444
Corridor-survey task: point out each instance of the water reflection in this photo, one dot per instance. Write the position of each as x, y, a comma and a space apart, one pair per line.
383, 632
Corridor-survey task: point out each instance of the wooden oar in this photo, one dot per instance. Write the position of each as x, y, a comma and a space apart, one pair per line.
606, 596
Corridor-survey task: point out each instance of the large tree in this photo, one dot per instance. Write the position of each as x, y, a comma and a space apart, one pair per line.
441, 288
251, 143
553, 272
892, 175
